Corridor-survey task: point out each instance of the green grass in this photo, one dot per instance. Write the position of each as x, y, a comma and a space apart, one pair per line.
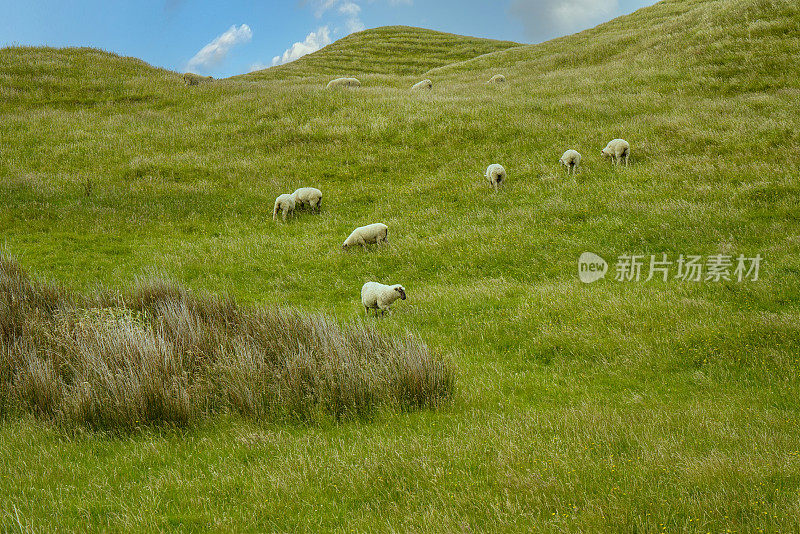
391, 51
609, 407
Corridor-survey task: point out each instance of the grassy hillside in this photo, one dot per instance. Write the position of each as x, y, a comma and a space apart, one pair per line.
617, 406
390, 50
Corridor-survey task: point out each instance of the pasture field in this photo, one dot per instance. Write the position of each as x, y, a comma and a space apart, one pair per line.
617, 406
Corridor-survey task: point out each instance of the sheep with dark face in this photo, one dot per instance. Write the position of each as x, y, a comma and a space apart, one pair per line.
422, 86
191, 79
616, 150
497, 78
375, 296
366, 235
496, 175
285, 204
571, 159
343, 82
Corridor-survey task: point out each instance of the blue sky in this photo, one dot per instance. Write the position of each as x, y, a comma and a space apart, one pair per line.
236, 36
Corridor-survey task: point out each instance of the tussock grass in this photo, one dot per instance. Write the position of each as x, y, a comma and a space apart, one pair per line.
158, 354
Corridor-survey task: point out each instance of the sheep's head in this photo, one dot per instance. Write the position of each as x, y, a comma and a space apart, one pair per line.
401, 290
606, 153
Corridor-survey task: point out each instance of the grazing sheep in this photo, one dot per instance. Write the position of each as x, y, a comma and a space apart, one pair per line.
310, 196
571, 159
497, 78
423, 85
496, 175
284, 203
343, 82
363, 235
616, 150
379, 296
195, 79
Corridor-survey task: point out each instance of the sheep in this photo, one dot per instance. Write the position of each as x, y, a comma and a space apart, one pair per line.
421, 86
379, 296
363, 235
496, 175
284, 203
497, 78
195, 79
571, 159
310, 196
616, 150
343, 82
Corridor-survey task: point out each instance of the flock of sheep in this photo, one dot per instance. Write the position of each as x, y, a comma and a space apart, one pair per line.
376, 296
419, 86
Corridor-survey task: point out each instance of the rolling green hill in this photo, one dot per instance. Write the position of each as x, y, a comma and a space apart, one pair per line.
716, 47
390, 50
619, 406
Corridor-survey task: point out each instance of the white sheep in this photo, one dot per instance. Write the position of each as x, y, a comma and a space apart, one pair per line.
190, 79
379, 296
343, 82
310, 196
496, 175
364, 235
284, 203
423, 85
616, 150
571, 159
497, 78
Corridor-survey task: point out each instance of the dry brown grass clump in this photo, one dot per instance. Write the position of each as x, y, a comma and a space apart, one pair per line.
158, 354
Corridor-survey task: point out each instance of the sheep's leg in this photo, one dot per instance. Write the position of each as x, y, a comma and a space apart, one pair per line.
626, 159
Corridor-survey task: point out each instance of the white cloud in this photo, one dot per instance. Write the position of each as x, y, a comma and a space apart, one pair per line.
217, 50
354, 24
545, 19
349, 8
258, 66
313, 42
323, 6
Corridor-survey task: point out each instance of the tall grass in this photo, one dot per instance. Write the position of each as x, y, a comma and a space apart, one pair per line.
159, 354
